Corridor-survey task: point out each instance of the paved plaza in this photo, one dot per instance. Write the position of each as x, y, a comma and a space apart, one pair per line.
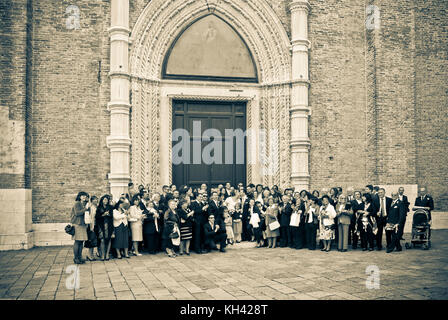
243, 272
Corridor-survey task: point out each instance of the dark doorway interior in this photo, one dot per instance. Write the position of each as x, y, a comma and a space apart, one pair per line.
210, 115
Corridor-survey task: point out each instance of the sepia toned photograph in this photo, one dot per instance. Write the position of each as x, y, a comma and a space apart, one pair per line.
223, 154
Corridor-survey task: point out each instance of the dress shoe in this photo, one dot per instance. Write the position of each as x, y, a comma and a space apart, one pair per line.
222, 250
344, 250
371, 249
399, 249
364, 249
379, 249
389, 251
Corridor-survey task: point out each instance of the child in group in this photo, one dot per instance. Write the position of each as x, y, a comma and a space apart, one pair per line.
229, 226
237, 218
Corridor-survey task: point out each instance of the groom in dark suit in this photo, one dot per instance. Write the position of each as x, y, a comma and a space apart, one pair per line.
397, 213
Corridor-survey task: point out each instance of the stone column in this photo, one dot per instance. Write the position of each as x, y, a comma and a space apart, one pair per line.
119, 142
299, 111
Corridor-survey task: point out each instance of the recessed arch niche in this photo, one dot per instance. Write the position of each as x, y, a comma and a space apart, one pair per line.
209, 49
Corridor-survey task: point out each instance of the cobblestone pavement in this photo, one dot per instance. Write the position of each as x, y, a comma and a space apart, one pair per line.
244, 272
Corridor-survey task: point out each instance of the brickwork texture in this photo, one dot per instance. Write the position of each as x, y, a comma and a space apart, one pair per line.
378, 97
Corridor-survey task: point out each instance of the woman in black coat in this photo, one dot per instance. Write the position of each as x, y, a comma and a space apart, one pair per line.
171, 224
104, 226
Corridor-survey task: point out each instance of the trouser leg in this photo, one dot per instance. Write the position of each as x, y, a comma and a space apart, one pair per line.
345, 236
340, 226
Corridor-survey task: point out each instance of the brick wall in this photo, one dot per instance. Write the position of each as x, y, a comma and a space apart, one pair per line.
337, 95
431, 96
355, 76
70, 120
13, 103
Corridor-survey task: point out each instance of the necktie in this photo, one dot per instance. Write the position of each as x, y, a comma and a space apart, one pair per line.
383, 213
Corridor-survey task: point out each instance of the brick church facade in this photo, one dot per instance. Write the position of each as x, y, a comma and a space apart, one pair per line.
356, 90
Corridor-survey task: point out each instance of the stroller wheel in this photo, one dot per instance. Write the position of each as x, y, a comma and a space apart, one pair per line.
425, 246
407, 246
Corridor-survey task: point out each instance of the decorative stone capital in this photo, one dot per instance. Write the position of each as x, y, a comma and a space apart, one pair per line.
118, 143
300, 45
297, 5
119, 30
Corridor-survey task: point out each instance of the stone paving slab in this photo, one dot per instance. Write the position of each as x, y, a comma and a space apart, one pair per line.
243, 273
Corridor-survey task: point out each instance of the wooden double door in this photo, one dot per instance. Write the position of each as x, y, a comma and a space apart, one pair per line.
196, 118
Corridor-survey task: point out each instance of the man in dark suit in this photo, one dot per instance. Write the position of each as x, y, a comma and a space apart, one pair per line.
404, 199
213, 204
382, 205
285, 219
215, 232
199, 207
425, 200
397, 212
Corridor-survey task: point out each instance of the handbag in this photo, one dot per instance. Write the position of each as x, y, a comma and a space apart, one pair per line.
295, 220
70, 229
274, 225
92, 241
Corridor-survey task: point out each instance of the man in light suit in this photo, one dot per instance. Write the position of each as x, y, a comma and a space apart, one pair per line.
382, 205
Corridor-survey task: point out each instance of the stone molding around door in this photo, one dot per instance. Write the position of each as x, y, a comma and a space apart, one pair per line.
272, 103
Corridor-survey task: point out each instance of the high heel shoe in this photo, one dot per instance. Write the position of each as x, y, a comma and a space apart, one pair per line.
90, 259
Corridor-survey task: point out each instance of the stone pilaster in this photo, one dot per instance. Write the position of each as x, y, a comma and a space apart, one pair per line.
299, 110
118, 141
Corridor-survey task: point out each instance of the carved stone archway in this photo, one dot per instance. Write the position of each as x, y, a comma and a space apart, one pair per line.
272, 105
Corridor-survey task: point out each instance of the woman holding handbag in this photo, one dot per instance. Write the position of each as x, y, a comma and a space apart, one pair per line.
272, 224
77, 220
170, 230
344, 214
327, 225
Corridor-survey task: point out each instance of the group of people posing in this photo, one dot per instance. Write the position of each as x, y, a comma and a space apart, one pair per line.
206, 219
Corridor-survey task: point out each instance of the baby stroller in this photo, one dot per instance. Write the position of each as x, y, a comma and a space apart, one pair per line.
420, 228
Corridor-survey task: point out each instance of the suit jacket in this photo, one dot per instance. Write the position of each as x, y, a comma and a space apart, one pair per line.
375, 203
213, 209
210, 233
426, 202
285, 215
171, 219
200, 216
77, 215
184, 215
149, 222
405, 203
346, 217
397, 213
388, 203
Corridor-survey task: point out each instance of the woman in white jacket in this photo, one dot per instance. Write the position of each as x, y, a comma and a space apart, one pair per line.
121, 240
327, 224
136, 220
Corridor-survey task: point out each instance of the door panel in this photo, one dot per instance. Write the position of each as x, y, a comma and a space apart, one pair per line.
211, 115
